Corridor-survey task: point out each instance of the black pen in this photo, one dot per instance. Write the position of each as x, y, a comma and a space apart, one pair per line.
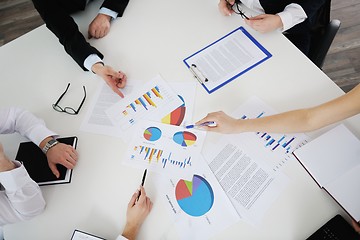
142, 182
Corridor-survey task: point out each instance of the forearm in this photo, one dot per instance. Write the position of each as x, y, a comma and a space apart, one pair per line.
130, 231
287, 122
305, 120
59, 21
15, 119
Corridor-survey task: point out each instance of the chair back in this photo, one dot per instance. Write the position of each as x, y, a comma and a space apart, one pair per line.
321, 42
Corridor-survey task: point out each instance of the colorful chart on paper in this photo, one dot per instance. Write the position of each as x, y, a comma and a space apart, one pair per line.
152, 101
152, 133
275, 146
184, 138
153, 146
194, 197
276, 141
157, 156
177, 116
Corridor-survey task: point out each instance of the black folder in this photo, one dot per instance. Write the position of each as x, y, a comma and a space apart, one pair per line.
36, 164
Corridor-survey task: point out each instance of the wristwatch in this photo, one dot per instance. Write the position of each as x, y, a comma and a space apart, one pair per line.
49, 145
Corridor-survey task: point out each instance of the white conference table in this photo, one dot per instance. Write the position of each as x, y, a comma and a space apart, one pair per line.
154, 36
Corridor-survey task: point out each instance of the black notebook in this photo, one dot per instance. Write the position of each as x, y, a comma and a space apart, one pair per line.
36, 163
336, 228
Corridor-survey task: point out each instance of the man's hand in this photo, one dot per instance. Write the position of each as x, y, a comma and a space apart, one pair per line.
62, 154
356, 226
265, 23
225, 7
5, 163
99, 27
114, 79
136, 214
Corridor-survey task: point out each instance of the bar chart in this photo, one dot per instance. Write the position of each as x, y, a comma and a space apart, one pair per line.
275, 142
159, 157
151, 101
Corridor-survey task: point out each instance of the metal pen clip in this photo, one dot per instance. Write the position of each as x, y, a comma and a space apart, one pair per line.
197, 74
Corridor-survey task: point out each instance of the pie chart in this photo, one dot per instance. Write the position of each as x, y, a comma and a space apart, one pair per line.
177, 116
184, 138
152, 134
195, 198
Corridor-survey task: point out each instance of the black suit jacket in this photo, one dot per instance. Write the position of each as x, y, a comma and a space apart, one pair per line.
301, 33
56, 15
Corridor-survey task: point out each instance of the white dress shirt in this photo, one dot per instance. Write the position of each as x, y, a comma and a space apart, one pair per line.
22, 198
293, 13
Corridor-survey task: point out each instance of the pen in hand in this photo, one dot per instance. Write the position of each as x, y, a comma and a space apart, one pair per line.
208, 123
142, 183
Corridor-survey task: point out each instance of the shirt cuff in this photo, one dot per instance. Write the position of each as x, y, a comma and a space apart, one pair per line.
14, 179
39, 133
286, 20
91, 60
108, 12
121, 237
292, 15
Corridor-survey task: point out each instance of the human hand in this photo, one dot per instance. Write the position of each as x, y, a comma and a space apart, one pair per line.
62, 154
114, 79
265, 22
99, 27
136, 214
224, 123
356, 226
225, 7
5, 163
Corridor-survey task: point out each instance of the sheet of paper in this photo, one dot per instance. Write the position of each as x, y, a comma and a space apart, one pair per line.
226, 58
164, 148
198, 205
186, 91
249, 183
79, 235
332, 159
331, 154
275, 148
344, 191
97, 121
152, 101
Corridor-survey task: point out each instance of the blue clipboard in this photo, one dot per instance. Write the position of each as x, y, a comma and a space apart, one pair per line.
196, 66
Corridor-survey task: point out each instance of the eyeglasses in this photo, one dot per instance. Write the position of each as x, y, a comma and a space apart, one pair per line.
237, 9
68, 110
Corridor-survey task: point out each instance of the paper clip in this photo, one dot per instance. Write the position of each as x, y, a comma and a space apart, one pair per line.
199, 76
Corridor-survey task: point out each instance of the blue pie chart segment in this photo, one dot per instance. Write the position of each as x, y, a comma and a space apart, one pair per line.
195, 198
152, 133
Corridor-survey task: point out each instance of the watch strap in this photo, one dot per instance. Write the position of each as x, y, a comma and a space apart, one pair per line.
51, 143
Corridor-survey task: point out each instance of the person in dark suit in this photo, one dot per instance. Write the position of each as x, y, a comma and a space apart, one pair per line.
297, 19
56, 15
